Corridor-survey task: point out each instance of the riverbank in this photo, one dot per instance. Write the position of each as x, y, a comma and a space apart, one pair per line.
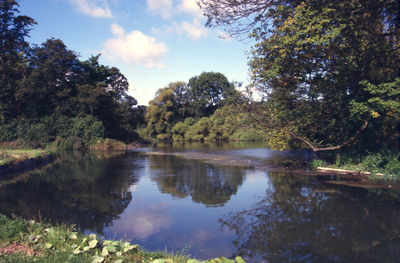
15, 160
29, 241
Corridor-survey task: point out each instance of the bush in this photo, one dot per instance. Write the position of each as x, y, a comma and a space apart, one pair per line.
88, 128
374, 163
393, 168
38, 133
71, 143
318, 163
164, 137
8, 132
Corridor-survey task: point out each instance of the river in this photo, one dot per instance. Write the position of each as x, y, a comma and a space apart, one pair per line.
210, 209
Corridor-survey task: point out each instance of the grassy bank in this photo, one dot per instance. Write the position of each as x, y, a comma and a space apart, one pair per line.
30, 241
14, 153
15, 156
377, 165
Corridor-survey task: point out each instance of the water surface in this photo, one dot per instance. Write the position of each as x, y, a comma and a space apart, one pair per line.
209, 210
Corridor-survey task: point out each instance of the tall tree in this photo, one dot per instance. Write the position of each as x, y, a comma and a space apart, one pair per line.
312, 60
103, 92
169, 106
14, 28
50, 83
209, 91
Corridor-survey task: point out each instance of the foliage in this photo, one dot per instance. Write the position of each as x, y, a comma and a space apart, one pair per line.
167, 108
13, 54
177, 102
227, 123
109, 144
209, 91
86, 129
47, 82
318, 163
325, 68
62, 243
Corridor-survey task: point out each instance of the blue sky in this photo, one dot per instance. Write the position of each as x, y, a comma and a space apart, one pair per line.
152, 42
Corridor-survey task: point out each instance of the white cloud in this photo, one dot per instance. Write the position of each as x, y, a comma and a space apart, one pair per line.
168, 8
194, 30
134, 48
117, 30
94, 8
161, 7
190, 7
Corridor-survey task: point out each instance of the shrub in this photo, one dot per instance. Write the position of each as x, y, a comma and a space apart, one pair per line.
318, 163
393, 168
163, 137
88, 128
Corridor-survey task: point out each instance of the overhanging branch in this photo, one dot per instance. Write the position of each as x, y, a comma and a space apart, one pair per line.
331, 148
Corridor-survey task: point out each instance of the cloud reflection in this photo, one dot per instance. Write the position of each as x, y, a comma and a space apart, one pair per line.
140, 223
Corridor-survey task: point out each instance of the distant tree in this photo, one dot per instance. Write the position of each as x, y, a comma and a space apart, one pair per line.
209, 91
14, 29
169, 106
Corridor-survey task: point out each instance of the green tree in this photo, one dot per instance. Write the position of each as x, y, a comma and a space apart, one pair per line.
311, 59
168, 107
103, 92
49, 85
209, 91
13, 54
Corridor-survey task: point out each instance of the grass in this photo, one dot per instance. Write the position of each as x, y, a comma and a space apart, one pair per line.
11, 156
30, 241
387, 165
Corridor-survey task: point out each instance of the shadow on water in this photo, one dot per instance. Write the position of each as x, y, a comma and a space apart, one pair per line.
88, 190
302, 220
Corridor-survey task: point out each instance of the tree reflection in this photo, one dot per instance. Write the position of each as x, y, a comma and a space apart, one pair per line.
207, 184
89, 191
304, 221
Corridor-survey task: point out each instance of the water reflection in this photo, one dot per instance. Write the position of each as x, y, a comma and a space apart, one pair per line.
206, 184
143, 222
170, 202
302, 220
87, 190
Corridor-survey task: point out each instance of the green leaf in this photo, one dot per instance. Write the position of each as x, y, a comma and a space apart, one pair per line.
239, 260
104, 252
48, 245
98, 259
130, 247
118, 261
92, 243
111, 248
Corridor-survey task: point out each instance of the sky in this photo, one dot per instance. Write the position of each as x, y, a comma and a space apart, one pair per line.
152, 42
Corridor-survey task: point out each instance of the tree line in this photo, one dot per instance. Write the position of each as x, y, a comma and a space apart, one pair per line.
47, 92
329, 70
328, 73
